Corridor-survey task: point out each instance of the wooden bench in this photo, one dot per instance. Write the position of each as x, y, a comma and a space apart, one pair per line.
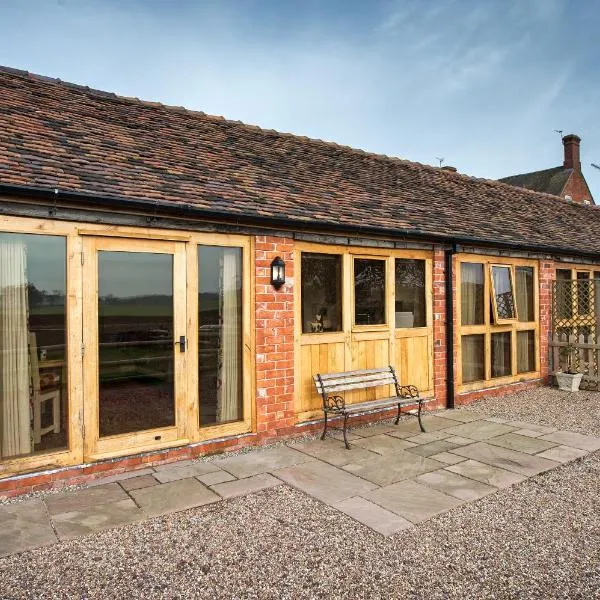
331, 384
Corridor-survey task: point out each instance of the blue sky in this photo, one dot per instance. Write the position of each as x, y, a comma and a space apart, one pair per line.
483, 84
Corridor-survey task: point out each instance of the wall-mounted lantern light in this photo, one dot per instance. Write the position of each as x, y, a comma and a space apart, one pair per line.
277, 272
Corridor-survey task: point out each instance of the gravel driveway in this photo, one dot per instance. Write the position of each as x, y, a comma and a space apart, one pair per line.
538, 539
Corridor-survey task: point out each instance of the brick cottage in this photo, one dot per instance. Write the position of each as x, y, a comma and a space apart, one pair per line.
171, 282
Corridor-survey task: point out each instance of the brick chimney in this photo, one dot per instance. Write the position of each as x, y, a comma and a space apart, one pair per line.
571, 143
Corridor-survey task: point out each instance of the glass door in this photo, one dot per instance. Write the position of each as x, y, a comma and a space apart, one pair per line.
134, 345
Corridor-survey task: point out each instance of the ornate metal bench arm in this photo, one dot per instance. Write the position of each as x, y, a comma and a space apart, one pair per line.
408, 391
334, 403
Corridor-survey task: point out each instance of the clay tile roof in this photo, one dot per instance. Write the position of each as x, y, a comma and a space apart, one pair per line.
551, 181
76, 139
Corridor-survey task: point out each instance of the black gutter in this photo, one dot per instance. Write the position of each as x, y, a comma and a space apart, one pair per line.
449, 276
186, 210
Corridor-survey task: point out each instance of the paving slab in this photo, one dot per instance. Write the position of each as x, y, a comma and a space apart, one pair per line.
462, 416
384, 470
248, 485
529, 432
511, 460
71, 501
458, 440
175, 471
383, 444
173, 497
431, 436
371, 430
324, 482
430, 423
433, 448
447, 458
333, 451
120, 477
413, 501
215, 477
532, 426
137, 483
456, 485
500, 478
563, 454
480, 430
24, 525
262, 461
521, 443
96, 518
574, 440
373, 516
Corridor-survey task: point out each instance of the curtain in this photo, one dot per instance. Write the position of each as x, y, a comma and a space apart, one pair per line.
472, 358
524, 285
15, 424
228, 381
471, 291
501, 356
525, 351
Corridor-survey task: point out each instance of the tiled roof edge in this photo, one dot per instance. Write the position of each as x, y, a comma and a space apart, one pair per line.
316, 141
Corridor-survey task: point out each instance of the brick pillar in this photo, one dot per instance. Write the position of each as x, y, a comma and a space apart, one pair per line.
274, 338
439, 327
545, 299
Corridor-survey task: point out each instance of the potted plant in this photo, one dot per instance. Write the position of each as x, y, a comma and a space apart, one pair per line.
569, 379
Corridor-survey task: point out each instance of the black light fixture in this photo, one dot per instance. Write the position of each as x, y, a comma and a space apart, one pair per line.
277, 272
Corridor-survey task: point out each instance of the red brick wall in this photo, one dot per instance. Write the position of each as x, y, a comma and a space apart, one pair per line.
546, 275
439, 327
275, 409
577, 188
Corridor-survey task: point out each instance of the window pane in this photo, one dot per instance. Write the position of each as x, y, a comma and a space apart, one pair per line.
135, 334
473, 358
220, 334
564, 294
505, 301
369, 291
321, 292
501, 354
33, 353
584, 293
471, 291
525, 351
410, 293
524, 284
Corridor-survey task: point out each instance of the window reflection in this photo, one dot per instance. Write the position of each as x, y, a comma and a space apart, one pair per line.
369, 291
135, 334
410, 293
321, 292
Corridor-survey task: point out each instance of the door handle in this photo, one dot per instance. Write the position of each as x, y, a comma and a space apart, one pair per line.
181, 343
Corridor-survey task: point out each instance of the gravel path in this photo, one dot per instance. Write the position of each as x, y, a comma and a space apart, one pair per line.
538, 539
578, 412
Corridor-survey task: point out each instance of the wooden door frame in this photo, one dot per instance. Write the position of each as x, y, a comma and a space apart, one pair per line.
73, 453
95, 447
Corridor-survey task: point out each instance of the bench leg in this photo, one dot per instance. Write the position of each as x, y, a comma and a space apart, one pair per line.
345, 436
325, 427
419, 416
398, 417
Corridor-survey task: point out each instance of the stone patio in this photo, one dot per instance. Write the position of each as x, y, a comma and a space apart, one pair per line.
393, 478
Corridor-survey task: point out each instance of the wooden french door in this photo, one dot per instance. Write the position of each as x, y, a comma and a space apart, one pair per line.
135, 345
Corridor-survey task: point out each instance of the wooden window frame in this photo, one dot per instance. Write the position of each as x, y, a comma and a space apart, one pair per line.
342, 348
76, 233
488, 327
386, 295
343, 305
511, 271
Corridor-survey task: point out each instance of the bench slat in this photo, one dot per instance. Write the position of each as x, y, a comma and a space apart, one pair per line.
373, 404
326, 376
382, 377
357, 385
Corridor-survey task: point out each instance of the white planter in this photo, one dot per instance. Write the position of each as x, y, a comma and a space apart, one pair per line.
568, 382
